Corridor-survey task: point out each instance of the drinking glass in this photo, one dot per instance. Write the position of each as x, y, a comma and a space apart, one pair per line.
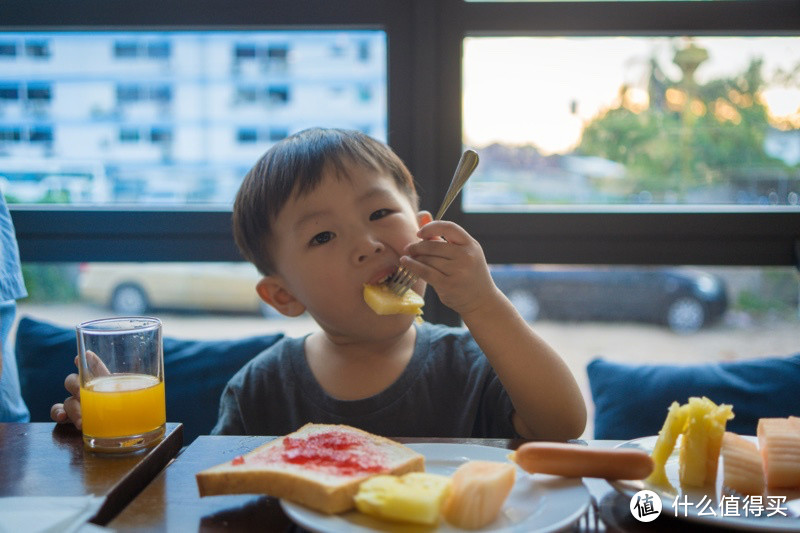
122, 383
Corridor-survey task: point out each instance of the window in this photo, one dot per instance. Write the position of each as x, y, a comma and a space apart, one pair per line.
632, 120
193, 114
9, 92
129, 135
37, 49
41, 134
125, 49
247, 135
278, 95
158, 50
39, 92
160, 135
8, 49
245, 51
10, 134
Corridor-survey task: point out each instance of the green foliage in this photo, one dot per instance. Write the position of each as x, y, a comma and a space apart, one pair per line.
702, 138
50, 282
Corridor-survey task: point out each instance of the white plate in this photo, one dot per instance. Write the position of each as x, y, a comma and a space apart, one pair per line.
536, 503
695, 496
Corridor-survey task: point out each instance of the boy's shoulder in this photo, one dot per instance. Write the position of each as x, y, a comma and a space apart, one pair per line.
441, 331
448, 339
277, 356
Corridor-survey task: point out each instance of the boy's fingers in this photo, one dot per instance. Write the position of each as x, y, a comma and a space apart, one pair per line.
72, 407
73, 385
441, 249
429, 274
450, 231
57, 413
97, 366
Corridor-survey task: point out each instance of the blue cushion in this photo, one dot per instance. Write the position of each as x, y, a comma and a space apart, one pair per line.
195, 372
631, 401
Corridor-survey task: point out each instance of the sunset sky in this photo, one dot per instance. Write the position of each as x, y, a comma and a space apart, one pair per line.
520, 90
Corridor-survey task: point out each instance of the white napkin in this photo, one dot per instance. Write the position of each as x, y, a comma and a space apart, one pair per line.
49, 514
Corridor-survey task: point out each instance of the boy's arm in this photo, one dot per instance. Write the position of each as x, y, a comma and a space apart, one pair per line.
547, 400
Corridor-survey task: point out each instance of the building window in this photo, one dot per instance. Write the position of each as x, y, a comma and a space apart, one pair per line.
277, 134
10, 134
128, 93
244, 51
160, 135
39, 49
9, 92
246, 135
278, 95
8, 49
40, 134
161, 93
39, 92
158, 50
125, 49
128, 135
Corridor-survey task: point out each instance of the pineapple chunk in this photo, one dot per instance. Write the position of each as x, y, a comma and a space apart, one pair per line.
694, 448
385, 302
478, 491
716, 420
702, 441
741, 465
702, 424
673, 426
779, 441
414, 497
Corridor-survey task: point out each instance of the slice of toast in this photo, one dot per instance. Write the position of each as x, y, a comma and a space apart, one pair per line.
319, 466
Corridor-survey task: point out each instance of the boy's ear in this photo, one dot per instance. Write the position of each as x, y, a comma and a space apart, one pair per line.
272, 291
423, 217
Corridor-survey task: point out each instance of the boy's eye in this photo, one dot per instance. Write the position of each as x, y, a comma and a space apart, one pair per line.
380, 213
321, 238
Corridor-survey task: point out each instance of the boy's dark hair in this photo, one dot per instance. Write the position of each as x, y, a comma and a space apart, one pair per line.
295, 166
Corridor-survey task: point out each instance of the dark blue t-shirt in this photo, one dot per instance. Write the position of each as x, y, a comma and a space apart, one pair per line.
448, 389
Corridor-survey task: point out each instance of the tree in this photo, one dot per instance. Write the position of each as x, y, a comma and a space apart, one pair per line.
691, 136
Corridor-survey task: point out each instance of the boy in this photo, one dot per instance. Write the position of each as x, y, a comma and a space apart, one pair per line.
321, 214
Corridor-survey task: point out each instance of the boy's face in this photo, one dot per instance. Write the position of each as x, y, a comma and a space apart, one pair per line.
327, 244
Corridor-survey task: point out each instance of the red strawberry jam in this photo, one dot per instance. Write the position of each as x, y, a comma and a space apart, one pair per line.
335, 452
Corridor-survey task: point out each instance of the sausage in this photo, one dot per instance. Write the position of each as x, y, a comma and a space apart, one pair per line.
574, 460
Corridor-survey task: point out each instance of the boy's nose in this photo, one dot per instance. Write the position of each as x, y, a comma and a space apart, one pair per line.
368, 248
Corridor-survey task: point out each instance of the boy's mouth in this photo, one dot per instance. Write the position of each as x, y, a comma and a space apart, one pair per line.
383, 276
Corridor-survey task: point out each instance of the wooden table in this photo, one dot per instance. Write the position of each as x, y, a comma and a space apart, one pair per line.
45, 459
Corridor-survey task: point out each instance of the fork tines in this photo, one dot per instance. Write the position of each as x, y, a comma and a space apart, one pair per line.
400, 281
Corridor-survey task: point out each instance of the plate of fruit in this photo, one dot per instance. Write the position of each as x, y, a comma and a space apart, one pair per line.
708, 475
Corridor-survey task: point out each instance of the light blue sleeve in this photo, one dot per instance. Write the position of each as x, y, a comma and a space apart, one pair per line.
12, 286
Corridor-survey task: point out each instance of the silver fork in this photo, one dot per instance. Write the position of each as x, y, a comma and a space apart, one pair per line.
402, 279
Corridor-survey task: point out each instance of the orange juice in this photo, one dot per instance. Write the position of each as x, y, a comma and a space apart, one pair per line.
122, 405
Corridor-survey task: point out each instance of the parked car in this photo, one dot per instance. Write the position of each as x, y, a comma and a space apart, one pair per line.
681, 298
135, 288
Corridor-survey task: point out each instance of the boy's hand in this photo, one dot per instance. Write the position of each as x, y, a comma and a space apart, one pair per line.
452, 262
70, 410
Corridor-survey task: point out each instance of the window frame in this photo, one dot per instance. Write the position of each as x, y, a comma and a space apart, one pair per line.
424, 127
